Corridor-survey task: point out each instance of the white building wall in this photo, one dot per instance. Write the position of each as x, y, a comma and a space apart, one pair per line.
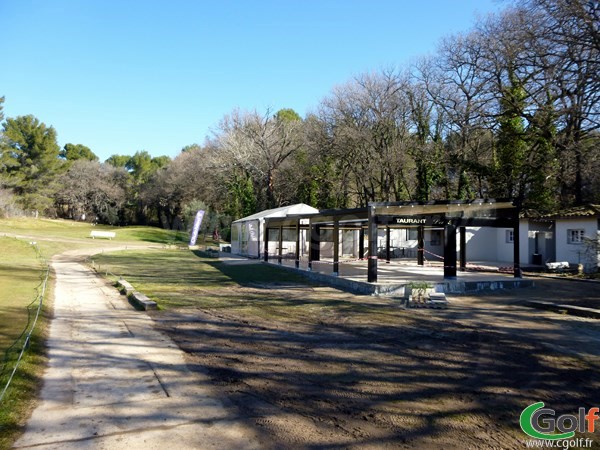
326, 250
273, 248
524, 241
489, 244
251, 230
255, 230
481, 244
236, 235
505, 251
253, 249
246, 238
574, 253
349, 243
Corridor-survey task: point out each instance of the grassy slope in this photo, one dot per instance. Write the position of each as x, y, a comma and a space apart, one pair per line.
20, 274
56, 236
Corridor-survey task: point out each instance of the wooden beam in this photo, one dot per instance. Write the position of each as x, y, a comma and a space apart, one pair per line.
420, 246
297, 255
450, 251
336, 248
372, 265
463, 249
280, 251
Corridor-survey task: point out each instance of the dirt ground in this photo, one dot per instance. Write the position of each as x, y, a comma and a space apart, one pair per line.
348, 371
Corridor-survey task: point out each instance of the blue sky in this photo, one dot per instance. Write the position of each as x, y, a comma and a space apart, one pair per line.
126, 75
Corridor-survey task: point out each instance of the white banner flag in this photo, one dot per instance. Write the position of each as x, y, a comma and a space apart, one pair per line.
196, 229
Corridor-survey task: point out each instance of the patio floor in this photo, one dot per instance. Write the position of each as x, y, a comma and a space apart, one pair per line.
394, 276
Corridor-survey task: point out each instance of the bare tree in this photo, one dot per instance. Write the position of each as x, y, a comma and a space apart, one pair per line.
514, 79
260, 144
572, 27
190, 177
551, 49
368, 120
456, 85
93, 189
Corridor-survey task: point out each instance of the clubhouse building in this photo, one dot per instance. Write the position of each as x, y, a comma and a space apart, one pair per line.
454, 233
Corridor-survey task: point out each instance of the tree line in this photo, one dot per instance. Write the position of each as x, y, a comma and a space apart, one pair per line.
507, 109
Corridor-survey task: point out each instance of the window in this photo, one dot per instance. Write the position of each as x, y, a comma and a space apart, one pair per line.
273, 234
413, 234
575, 236
326, 235
289, 235
436, 237
510, 236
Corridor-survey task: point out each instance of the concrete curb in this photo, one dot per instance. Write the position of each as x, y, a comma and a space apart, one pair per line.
137, 298
142, 301
400, 289
580, 311
553, 277
124, 287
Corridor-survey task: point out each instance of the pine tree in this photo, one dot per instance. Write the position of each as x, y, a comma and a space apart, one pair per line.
29, 161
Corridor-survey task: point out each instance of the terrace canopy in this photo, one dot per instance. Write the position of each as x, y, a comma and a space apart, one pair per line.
449, 215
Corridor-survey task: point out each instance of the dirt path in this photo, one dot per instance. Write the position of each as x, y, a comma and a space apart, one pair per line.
348, 371
114, 382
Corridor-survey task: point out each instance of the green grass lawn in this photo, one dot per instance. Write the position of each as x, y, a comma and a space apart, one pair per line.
176, 278
56, 236
21, 276
21, 272
184, 279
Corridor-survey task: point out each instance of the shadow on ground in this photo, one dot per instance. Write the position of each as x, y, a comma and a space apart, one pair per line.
343, 371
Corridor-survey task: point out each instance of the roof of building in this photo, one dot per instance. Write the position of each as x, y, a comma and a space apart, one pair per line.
478, 212
575, 212
299, 208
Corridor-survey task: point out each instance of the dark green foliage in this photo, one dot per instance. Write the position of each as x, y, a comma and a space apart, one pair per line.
118, 160
317, 186
287, 115
241, 199
160, 161
511, 145
29, 161
73, 152
191, 148
142, 165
